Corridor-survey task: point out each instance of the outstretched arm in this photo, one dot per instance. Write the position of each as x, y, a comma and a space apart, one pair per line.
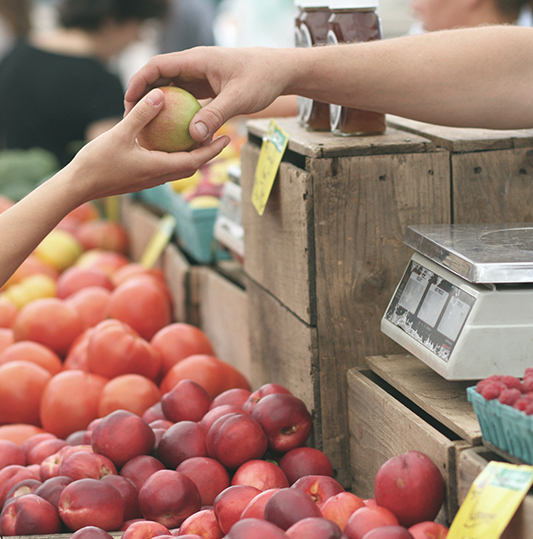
112, 164
475, 77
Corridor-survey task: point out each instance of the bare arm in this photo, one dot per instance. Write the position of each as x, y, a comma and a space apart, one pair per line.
112, 164
477, 77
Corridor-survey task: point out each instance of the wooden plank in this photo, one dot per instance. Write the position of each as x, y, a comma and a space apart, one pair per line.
223, 316
278, 244
177, 274
283, 350
362, 208
319, 144
492, 187
444, 400
470, 463
382, 427
460, 139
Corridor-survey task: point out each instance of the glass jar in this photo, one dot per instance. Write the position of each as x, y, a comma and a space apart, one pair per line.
353, 21
313, 30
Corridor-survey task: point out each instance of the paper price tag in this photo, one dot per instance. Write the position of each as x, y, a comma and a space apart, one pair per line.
274, 144
492, 501
158, 241
112, 208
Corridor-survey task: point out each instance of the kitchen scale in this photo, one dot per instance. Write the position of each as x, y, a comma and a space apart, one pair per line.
464, 305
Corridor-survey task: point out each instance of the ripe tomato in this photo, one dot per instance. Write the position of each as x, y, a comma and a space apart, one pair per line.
34, 353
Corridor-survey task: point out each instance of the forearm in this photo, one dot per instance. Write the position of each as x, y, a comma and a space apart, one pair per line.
474, 78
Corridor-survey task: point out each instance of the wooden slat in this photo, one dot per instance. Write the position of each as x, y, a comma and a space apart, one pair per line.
177, 273
381, 427
279, 251
320, 144
444, 400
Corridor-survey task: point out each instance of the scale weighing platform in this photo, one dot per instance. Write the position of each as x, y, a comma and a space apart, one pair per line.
464, 305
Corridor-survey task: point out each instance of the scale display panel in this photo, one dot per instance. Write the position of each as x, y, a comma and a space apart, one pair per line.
430, 309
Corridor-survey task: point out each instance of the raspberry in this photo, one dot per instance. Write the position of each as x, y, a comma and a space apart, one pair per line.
509, 396
529, 372
512, 382
529, 409
522, 403
491, 390
527, 384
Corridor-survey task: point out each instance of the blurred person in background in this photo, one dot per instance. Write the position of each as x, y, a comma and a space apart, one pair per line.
15, 22
56, 88
433, 15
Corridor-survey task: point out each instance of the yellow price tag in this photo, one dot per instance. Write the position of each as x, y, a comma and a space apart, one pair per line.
112, 208
492, 501
158, 241
274, 144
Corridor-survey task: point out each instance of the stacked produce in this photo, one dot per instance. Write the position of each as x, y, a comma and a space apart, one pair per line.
113, 417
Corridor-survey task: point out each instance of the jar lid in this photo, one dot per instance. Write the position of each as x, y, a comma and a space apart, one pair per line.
312, 3
352, 4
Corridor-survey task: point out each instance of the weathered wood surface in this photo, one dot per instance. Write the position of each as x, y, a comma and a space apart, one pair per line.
279, 252
444, 400
362, 208
177, 271
382, 427
223, 316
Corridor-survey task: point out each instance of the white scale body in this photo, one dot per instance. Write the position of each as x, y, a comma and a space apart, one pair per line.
464, 305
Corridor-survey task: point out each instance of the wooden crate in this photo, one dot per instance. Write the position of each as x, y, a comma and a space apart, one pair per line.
469, 465
491, 171
398, 404
328, 253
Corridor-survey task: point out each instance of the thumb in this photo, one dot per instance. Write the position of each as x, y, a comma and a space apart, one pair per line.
144, 111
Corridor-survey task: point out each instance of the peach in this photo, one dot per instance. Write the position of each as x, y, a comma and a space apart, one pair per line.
256, 506
144, 529
210, 417
44, 449
183, 440
203, 523
305, 461
234, 439
52, 488
129, 492
208, 475
388, 532
288, 506
29, 515
154, 412
236, 397
263, 391
75, 278
83, 465
319, 487
253, 528
169, 497
11, 453
140, 468
26, 486
161, 424
186, 401
75, 438
91, 502
10, 476
230, 504
261, 474
340, 507
91, 532
122, 435
285, 419
36, 439
315, 528
368, 518
428, 530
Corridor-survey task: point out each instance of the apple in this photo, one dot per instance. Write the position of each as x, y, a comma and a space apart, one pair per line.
428, 530
11, 453
305, 461
285, 419
169, 130
315, 528
319, 487
130, 494
169, 497
263, 391
83, 465
230, 504
254, 528
183, 440
52, 488
256, 506
224, 409
29, 515
288, 506
411, 486
203, 523
261, 474
10, 476
140, 468
122, 435
186, 401
208, 475
340, 507
234, 439
388, 532
91, 532
236, 397
368, 518
144, 529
